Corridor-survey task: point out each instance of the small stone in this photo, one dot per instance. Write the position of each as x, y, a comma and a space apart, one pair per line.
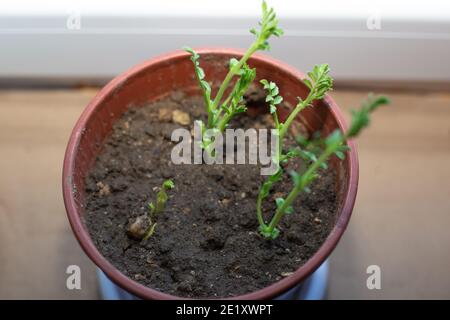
243, 195
317, 220
286, 274
186, 210
137, 227
164, 115
103, 189
139, 276
225, 201
181, 117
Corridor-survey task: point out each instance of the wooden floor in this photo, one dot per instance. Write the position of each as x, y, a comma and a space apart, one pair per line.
401, 220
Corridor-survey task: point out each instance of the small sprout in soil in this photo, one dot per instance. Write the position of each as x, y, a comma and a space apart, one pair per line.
220, 109
161, 198
315, 152
143, 227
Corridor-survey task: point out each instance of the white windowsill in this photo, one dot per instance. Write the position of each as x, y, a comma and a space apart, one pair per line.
413, 43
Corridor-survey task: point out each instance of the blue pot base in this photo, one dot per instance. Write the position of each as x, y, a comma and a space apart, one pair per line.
313, 288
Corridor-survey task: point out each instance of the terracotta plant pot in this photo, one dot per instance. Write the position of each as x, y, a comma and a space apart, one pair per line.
156, 78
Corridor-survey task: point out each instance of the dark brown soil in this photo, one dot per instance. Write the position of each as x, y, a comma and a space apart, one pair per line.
206, 242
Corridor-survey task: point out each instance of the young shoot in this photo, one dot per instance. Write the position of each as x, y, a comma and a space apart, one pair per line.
154, 210
143, 227
222, 109
315, 157
319, 82
161, 198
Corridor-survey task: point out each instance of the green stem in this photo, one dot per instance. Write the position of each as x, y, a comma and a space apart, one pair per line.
279, 213
282, 132
223, 122
219, 113
277, 157
275, 119
232, 72
259, 210
210, 119
227, 100
300, 106
150, 231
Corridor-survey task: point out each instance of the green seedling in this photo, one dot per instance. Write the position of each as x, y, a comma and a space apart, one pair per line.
319, 83
229, 101
143, 227
222, 109
154, 210
161, 198
315, 153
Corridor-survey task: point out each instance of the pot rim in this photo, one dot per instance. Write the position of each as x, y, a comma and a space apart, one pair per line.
275, 289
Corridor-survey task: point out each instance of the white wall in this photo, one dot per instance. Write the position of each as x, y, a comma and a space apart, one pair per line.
413, 43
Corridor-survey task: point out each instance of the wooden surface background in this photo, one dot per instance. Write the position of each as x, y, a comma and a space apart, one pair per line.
401, 219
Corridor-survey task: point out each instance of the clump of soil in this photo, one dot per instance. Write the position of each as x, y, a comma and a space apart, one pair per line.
206, 242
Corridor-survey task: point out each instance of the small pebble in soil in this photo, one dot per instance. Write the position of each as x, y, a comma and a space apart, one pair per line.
165, 115
139, 276
286, 274
225, 201
186, 210
181, 117
138, 226
103, 189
